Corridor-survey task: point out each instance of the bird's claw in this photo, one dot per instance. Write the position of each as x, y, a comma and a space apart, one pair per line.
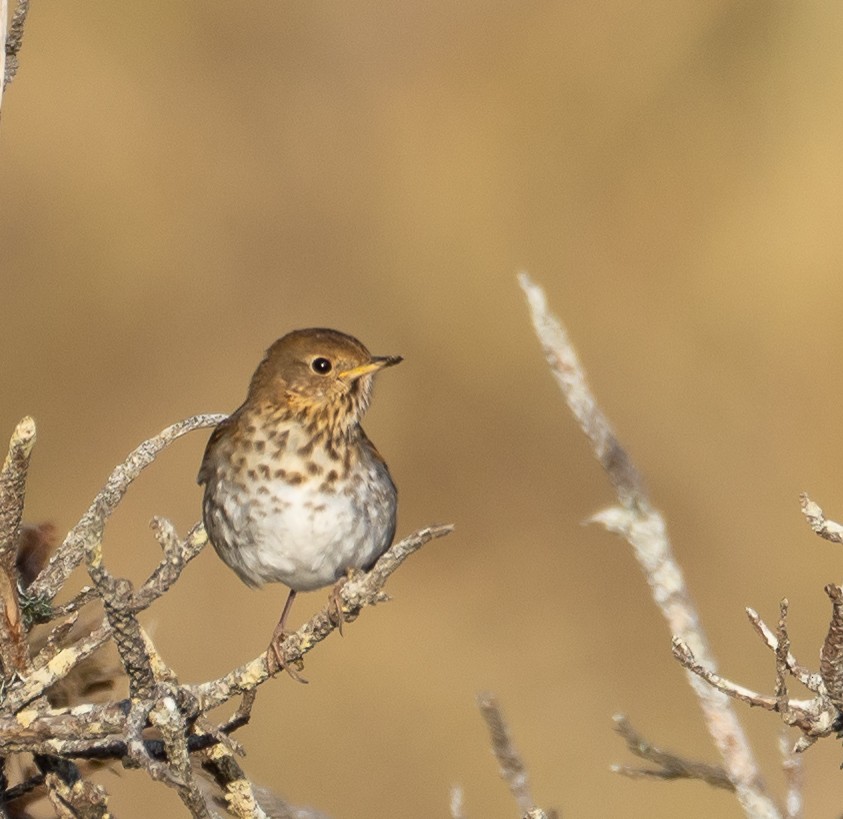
275, 659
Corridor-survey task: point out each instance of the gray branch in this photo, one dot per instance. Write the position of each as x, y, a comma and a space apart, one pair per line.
644, 528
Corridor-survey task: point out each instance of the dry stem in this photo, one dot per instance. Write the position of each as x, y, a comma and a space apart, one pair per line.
644, 528
512, 768
670, 765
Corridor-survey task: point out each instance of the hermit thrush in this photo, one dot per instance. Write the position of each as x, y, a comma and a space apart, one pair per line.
294, 490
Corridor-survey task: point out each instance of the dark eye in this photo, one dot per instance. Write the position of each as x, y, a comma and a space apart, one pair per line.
321, 366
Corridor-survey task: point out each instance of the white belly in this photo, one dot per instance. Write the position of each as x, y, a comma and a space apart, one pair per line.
301, 536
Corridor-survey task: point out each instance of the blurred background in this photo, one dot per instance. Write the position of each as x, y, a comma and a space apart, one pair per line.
180, 184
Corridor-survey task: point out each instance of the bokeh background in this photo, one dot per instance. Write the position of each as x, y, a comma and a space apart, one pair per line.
182, 183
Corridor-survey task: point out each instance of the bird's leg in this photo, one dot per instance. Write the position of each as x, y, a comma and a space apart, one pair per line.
334, 599
278, 637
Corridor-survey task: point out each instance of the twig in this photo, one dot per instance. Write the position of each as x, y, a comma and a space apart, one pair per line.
644, 528
816, 717
809, 680
177, 554
167, 716
71, 796
670, 765
13, 40
831, 656
13, 488
512, 769
828, 529
362, 590
456, 808
87, 534
158, 703
793, 775
238, 792
57, 668
4, 22
94, 728
14, 649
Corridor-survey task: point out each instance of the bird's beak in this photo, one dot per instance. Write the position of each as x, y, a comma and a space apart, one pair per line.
377, 363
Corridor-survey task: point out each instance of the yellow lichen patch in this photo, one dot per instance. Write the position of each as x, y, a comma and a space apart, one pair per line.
26, 718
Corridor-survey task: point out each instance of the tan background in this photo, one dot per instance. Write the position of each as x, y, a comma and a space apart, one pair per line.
181, 183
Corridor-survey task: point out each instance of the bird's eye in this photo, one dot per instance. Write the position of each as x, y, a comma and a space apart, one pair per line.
321, 366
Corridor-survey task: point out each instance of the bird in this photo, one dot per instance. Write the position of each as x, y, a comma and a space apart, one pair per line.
294, 490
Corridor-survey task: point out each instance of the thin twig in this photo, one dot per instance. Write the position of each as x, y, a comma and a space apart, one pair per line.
644, 528
82, 731
14, 39
362, 590
670, 765
828, 529
831, 656
512, 768
121, 730
4, 22
455, 805
809, 680
816, 718
177, 554
14, 649
793, 775
88, 531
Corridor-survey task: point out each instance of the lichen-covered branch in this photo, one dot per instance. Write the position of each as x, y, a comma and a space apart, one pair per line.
163, 728
643, 527
831, 656
11, 39
363, 589
828, 529
14, 650
87, 534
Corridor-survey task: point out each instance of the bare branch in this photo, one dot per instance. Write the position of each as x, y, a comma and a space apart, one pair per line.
831, 656
20, 694
570, 376
644, 528
14, 650
686, 657
4, 22
238, 793
828, 529
816, 718
456, 807
86, 535
74, 798
163, 725
793, 775
94, 730
177, 554
13, 40
13, 487
364, 589
809, 680
670, 765
512, 768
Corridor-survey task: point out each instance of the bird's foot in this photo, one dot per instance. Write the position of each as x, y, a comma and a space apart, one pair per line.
275, 661
335, 601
